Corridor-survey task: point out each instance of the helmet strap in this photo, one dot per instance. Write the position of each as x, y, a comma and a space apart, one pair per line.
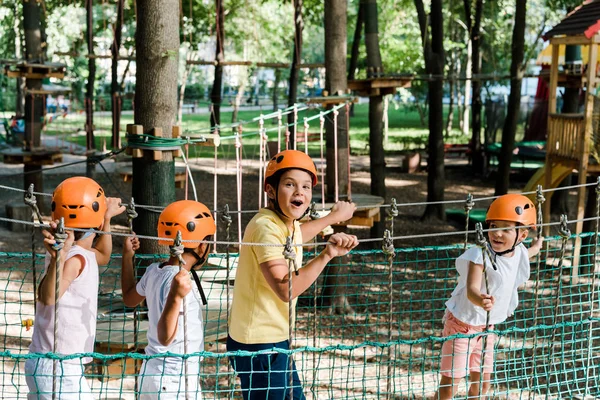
501, 253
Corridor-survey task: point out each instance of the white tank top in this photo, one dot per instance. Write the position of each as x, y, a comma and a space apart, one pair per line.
77, 311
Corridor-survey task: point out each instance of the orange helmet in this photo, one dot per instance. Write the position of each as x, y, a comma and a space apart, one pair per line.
512, 207
290, 159
193, 219
80, 201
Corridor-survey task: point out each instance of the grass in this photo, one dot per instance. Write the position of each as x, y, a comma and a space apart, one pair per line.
405, 130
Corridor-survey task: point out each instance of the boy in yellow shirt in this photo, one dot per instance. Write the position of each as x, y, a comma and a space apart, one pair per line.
259, 318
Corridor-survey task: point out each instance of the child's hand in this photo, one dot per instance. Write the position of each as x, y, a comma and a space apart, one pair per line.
340, 244
487, 302
130, 246
343, 210
49, 241
182, 284
537, 242
113, 207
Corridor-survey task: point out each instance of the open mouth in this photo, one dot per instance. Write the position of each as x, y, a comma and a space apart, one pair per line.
297, 203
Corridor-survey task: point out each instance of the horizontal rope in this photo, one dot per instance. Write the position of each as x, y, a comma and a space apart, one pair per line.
297, 245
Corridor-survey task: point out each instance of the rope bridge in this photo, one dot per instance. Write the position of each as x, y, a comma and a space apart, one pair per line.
375, 348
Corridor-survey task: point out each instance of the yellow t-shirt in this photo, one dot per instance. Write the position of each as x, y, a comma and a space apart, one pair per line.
257, 314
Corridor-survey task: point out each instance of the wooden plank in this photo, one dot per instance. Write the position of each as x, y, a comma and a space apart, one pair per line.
577, 39
357, 221
137, 153
133, 129
156, 155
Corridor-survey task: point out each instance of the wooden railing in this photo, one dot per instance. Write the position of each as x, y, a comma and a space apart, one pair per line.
565, 136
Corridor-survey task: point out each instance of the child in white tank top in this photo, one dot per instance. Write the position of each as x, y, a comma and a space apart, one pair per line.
82, 204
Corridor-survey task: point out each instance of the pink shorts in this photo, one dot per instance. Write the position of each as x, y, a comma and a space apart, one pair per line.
464, 354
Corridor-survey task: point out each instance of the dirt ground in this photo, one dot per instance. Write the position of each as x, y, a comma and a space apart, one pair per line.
404, 187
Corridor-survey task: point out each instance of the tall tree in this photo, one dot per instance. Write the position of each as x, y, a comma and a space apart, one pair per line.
474, 28
336, 84
157, 39
215, 94
89, 93
115, 87
20, 88
295, 68
34, 105
514, 99
375, 69
432, 36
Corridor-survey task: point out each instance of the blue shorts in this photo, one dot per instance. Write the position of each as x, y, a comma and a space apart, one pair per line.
265, 376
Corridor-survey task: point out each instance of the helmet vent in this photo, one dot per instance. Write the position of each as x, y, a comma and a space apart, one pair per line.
100, 192
53, 206
206, 215
279, 159
72, 216
199, 216
526, 207
168, 233
72, 207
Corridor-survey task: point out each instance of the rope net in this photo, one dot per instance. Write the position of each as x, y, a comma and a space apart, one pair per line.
343, 346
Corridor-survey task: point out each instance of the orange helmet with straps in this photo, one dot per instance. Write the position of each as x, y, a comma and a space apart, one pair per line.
80, 201
290, 159
192, 218
512, 207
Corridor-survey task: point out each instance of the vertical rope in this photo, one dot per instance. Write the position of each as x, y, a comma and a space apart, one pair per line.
305, 135
388, 250
469, 204
176, 251
215, 194
540, 199
226, 219
349, 181
189, 173
564, 233
593, 289
131, 215
485, 251
290, 255
59, 236
279, 131
392, 213
321, 124
313, 215
295, 126
261, 148
187, 176
31, 201
238, 159
335, 150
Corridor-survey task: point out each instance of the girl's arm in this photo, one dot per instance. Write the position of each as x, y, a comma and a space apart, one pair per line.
276, 272
103, 247
474, 278
167, 325
131, 297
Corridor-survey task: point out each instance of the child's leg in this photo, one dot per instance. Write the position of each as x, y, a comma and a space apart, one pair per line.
447, 389
71, 383
264, 376
477, 388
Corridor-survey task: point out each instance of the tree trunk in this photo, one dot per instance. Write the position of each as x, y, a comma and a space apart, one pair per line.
237, 102
433, 51
215, 94
375, 69
89, 94
514, 99
276, 92
467, 97
294, 70
451, 87
333, 294
474, 34
115, 88
356, 42
20, 84
34, 105
157, 39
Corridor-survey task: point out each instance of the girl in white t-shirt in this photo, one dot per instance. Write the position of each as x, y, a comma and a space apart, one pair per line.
508, 217
166, 287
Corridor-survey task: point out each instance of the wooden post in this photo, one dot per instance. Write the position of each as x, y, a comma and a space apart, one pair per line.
585, 154
551, 110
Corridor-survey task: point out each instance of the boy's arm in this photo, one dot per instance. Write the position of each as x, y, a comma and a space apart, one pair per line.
169, 318
474, 294
276, 272
536, 246
131, 297
103, 247
341, 211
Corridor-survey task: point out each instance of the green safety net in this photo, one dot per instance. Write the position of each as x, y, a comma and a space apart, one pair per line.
343, 346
